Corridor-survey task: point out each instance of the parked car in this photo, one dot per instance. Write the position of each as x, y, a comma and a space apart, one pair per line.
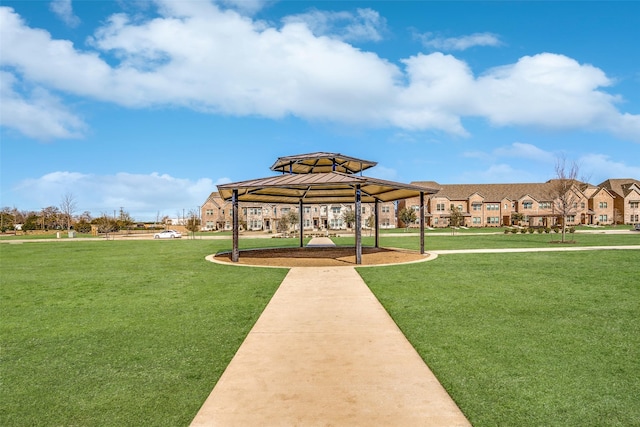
637, 227
167, 234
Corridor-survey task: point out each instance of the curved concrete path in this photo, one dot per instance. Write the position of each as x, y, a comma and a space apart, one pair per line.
325, 353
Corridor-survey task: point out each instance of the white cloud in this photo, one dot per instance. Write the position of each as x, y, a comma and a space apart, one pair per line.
430, 40
38, 115
364, 25
600, 167
64, 10
525, 151
198, 56
140, 195
500, 172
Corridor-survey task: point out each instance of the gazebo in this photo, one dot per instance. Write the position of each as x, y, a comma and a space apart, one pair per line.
318, 178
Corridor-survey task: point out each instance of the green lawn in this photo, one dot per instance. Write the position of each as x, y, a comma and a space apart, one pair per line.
535, 339
482, 241
119, 333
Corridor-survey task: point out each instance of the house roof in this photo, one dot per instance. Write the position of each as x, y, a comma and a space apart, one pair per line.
491, 192
321, 162
327, 187
621, 187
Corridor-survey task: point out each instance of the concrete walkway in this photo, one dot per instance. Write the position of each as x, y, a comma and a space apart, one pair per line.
320, 242
325, 353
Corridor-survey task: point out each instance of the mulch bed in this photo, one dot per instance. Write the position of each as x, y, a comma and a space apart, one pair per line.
321, 257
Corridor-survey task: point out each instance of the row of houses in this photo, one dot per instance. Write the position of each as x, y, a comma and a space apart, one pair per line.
614, 201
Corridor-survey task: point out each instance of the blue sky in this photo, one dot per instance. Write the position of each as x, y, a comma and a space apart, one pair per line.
147, 105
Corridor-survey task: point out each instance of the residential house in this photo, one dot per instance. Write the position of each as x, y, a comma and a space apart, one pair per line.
217, 215
626, 202
529, 204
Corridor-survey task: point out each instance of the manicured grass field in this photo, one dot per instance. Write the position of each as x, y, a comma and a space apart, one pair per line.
535, 339
119, 333
493, 241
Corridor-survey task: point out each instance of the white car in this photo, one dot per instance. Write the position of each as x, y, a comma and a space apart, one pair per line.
167, 234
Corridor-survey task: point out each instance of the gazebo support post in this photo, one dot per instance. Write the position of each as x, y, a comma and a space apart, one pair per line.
235, 254
301, 221
358, 228
376, 216
421, 211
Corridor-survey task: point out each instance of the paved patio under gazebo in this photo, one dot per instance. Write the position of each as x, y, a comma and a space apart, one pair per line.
317, 178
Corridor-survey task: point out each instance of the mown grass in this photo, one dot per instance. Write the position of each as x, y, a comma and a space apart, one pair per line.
120, 333
535, 339
138, 332
494, 241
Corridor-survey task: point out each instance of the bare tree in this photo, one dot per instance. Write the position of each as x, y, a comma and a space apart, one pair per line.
193, 222
67, 208
564, 191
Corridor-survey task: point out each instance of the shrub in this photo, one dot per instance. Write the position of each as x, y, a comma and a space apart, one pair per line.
540, 230
547, 230
531, 230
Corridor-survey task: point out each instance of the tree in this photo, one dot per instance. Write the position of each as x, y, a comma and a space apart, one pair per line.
106, 224
7, 219
407, 216
125, 220
192, 222
563, 191
516, 217
349, 216
456, 219
67, 208
288, 220
371, 223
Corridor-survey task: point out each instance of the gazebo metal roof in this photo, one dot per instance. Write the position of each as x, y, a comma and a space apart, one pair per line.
321, 178
321, 162
317, 188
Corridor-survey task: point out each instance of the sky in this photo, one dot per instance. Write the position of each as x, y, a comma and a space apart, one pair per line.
147, 105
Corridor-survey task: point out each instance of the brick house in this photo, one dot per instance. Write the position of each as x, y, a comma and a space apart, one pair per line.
217, 215
494, 205
626, 202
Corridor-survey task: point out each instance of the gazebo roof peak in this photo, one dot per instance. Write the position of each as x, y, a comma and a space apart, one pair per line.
321, 162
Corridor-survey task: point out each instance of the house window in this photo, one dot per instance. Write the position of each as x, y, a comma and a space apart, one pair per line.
364, 209
476, 206
571, 218
602, 205
634, 205
440, 207
493, 206
307, 209
285, 210
385, 209
209, 212
335, 210
545, 205
527, 205
415, 208
582, 205
477, 220
634, 218
602, 218
335, 223
493, 220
